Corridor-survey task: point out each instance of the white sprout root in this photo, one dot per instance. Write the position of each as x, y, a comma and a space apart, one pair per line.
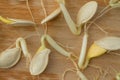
105, 32
51, 16
71, 24
78, 72
56, 46
83, 51
45, 14
96, 67
31, 14
21, 43
65, 72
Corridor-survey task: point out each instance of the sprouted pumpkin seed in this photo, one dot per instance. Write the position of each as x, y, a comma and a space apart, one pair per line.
16, 22
10, 57
82, 16
101, 46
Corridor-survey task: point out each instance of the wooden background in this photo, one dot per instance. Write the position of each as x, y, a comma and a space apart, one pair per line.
58, 29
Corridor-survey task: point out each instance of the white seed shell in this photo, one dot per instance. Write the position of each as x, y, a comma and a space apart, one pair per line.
109, 43
58, 48
39, 62
9, 57
86, 12
114, 3
20, 22
51, 16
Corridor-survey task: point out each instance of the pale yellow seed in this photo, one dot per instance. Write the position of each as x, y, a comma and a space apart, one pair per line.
86, 12
39, 62
9, 57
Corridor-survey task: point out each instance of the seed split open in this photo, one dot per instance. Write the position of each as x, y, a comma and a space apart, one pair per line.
101, 46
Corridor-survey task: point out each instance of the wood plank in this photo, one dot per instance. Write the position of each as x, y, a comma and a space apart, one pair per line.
59, 30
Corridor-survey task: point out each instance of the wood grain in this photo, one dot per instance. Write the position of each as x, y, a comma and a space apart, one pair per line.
58, 29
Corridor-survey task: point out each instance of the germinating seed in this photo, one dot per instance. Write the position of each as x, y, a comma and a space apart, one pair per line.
16, 22
83, 51
82, 17
101, 46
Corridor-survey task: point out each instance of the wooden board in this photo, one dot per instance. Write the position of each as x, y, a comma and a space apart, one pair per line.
58, 29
